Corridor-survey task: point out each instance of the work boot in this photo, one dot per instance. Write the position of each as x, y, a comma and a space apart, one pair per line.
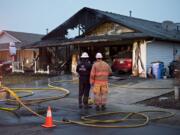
103, 107
97, 108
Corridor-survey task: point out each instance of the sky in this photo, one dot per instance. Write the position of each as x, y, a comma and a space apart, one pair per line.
35, 16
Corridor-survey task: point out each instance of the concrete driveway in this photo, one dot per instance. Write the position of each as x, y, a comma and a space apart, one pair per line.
134, 91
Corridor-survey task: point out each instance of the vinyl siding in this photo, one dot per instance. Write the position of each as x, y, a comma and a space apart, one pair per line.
177, 46
161, 51
5, 38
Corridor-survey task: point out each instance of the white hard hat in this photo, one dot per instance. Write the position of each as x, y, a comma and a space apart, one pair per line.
84, 55
99, 55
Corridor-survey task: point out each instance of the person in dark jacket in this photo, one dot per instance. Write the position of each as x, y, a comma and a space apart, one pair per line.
84, 69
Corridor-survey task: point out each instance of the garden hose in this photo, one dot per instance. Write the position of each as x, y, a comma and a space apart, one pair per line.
85, 120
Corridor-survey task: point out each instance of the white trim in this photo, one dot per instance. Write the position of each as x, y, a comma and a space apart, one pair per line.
40, 70
17, 67
17, 40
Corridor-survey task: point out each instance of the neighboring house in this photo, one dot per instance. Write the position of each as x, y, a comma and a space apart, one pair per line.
20, 39
94, 31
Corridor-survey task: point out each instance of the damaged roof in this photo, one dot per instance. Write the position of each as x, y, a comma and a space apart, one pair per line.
90, 39
89, 18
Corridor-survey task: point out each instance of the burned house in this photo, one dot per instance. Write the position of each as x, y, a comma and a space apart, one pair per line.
114, 35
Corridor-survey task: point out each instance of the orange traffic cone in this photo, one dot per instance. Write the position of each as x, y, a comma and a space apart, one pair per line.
49, 119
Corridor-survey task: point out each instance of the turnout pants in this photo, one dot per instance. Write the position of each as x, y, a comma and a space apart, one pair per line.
100, 94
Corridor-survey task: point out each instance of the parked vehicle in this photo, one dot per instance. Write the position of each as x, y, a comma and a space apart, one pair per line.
122, 61
122, 64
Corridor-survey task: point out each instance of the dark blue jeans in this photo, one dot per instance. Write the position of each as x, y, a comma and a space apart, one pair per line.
84, 88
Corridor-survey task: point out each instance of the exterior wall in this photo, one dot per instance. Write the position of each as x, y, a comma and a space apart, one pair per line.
4, 56
27, 56
177, 47
109, 28
162, 51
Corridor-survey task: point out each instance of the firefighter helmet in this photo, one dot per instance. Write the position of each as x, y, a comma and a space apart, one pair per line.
84, 55
99, 55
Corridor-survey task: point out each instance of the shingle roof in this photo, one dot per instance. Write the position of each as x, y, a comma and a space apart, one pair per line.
25, 38
150, 28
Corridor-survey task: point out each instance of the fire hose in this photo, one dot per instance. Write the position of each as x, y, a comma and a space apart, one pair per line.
88, 120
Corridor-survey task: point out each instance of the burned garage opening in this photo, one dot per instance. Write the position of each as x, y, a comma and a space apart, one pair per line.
122, 58
118, 56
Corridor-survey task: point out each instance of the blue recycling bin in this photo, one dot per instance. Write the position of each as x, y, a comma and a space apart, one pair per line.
158, 69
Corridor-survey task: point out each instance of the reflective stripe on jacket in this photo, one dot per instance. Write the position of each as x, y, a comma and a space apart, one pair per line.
100, 72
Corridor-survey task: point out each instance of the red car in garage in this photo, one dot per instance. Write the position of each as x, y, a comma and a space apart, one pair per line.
122, 64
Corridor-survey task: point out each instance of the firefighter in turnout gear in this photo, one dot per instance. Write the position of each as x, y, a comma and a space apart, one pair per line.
99, 80
84, 69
